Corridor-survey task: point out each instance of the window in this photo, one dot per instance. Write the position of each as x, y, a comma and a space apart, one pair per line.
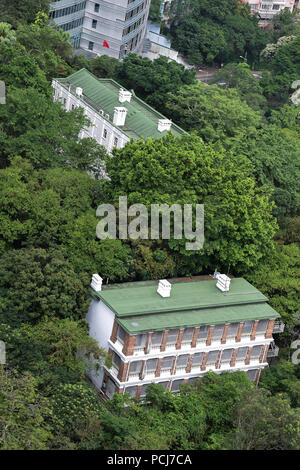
197, 359
276, 7
104, 133
116, 361
91, 45
97, 7
255, 352
172, 337
156, 338
187, 335
164, 384
226, 356
150, 366
262, 326
247, 328
252, 374
182, 361
131, 391
202, 334
135, 368
241, 354
212, 357
232, 330
121, 334
144, 390
94, 24
65, 101
73, 106
140, 341
116, 142
218, 332
166, 364
176, 385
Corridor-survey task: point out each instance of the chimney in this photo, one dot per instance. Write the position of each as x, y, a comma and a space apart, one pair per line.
223, 282
78, 91
119, 116
124, 95
164, 288
164, 125
96, 283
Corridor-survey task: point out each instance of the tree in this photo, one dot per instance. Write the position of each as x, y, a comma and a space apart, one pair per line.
264, 422
38, 284
278, 279
22, 11
36, 128
7, 35
151, 80
22, 413
238, 224
282, 378
275, 154
239, 76
212, 112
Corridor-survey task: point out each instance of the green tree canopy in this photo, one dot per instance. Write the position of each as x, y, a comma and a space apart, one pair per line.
238, 223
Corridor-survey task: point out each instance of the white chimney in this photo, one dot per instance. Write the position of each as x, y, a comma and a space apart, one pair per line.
79, 91
96, 283
223, 282
164, 125
164, 288
124, 95
119, 116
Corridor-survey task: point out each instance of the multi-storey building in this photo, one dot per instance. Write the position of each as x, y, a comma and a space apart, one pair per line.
266, 9
111, 27
117, 115
174, 332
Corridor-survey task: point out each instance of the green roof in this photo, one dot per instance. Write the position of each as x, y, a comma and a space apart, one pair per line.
103, 93
138, 307
143, 299
190, 318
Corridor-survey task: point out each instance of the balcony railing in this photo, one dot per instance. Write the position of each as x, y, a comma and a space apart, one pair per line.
278, 327
273, 350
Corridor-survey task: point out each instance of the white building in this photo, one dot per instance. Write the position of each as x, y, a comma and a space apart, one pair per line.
116, 115
267, 9
111, 27
172, 333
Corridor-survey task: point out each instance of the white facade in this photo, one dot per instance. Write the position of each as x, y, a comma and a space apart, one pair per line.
268, 8
102, 129
113, 27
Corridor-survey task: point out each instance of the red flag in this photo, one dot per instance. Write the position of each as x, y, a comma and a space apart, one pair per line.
105, 44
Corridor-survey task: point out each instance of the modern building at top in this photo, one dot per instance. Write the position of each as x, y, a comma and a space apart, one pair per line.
267, 9
111, 27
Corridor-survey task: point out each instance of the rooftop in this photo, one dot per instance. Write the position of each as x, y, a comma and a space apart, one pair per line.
139, 307
103, 94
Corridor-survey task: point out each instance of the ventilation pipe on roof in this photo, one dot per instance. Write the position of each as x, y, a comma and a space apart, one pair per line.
96, 283
78, 91
223, 282
164, 288
164, 125
124, 95
119, 116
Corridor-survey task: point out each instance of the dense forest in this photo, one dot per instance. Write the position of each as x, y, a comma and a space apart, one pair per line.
240, 158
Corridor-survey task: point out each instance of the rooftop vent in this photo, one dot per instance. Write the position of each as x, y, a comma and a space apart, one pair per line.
96, 283
119, 116
164, 288
124, 95
223, 282
164, 125
78, 91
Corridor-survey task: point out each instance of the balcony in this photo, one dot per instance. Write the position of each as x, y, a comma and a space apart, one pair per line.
278, 327
273, 350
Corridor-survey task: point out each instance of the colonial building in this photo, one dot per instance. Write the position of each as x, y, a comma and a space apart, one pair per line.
172, 333
116, 115
111, 27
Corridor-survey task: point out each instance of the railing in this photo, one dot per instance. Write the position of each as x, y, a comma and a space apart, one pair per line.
273, 350
278, 327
